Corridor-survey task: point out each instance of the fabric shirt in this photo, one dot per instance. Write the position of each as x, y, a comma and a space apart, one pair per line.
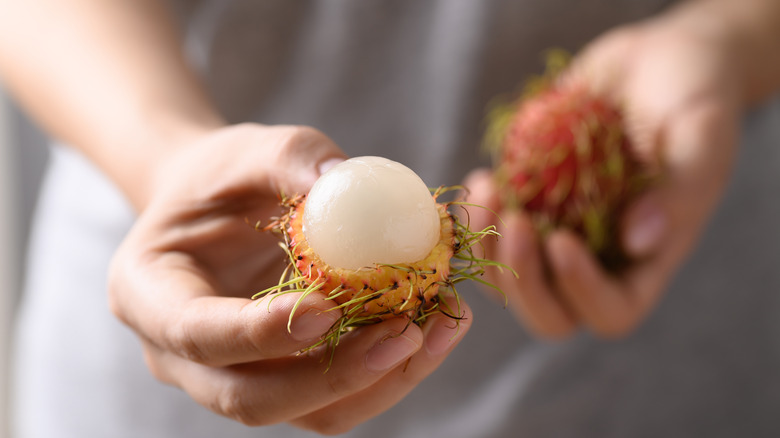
410, 80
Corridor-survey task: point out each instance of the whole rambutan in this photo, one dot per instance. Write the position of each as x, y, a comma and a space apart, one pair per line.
372, 238
563, 156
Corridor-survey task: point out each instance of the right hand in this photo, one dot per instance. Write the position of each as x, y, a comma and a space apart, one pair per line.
680, 88
182, 276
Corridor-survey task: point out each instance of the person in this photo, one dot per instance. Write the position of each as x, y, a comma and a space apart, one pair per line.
159, 175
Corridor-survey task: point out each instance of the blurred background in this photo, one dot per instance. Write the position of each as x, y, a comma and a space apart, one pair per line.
20, 172
8, 277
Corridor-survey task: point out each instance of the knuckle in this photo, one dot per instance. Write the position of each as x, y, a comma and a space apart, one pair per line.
307, 133
301, 139
297, 134
342, 383
181, 341
232, 402
261, 338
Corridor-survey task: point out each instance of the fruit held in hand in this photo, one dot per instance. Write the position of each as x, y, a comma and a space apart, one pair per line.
370, 199
371, 236
363, 220
563, 156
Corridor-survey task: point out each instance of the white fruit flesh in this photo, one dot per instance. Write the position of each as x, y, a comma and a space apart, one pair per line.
370, 210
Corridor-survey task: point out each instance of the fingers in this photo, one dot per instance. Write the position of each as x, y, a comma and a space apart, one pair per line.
598, 301
442, 333
528, 294
191, 246
482, 193
560, 285
682, 120
172, 279
283, 389
700, 142
659, 229
531, 296
245, 164
173, 306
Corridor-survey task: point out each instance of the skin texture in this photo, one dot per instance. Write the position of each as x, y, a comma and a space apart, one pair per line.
124, 96
683, 91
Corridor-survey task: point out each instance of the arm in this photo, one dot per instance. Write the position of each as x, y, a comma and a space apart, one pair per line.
107, 76
684, 78
749, 29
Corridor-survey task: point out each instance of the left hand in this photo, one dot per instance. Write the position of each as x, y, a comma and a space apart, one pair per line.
182, 277
681, 95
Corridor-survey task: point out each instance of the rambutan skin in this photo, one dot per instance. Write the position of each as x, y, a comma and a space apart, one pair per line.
565, 158
371, 294
383, 291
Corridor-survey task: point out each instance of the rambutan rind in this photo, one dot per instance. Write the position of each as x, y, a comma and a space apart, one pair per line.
374, 293
562, 155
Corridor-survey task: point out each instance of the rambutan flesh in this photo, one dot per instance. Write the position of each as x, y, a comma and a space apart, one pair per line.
372, 238
563, 156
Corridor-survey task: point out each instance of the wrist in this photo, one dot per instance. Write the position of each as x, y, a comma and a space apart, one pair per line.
747, 33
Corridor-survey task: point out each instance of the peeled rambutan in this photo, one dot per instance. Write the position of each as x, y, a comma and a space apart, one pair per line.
563, 156
372, 238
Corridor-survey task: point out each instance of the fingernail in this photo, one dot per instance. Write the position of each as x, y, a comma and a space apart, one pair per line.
647, 230
328, 164
390, 351
312, 324
442, 335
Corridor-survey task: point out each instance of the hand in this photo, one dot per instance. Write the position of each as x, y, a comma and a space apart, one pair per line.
181, 280
681, 96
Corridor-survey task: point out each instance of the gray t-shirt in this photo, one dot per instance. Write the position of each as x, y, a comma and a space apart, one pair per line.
410, 80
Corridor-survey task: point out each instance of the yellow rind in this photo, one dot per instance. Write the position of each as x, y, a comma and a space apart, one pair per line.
382, 290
